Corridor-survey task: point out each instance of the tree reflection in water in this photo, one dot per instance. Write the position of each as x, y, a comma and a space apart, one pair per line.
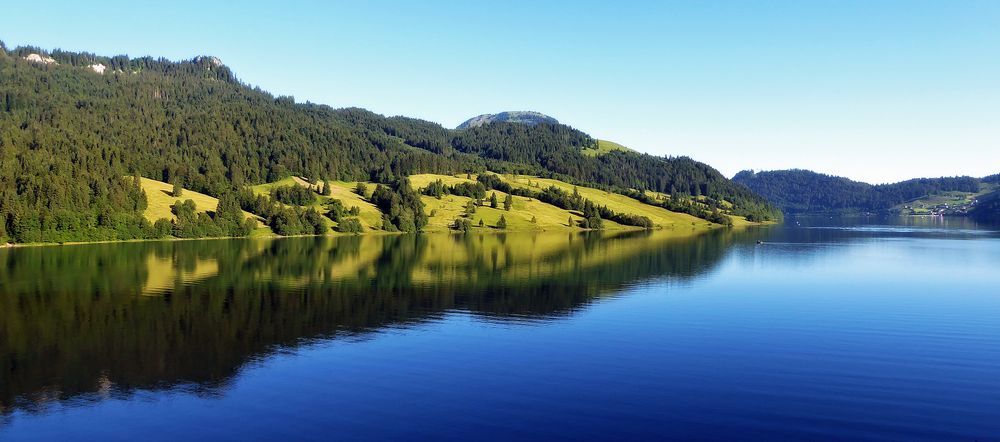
81, 323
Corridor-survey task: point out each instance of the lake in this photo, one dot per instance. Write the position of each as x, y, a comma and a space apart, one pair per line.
817, 329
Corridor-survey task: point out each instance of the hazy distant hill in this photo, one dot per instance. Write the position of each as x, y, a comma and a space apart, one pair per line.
519, 117
804, 191
987, 208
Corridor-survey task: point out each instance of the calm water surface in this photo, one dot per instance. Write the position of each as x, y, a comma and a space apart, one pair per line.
828, 330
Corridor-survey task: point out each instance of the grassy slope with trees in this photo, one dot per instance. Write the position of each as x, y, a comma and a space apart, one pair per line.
603, 147
75, 145
956, 201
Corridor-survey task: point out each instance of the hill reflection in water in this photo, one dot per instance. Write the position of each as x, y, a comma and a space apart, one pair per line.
83, 323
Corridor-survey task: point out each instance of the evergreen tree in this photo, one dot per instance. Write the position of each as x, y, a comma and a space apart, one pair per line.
401, 206
508, 202
229, 216
313, 222
294, 195
591, 216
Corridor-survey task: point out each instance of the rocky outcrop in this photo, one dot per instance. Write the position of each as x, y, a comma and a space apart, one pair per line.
520, 117
35, 58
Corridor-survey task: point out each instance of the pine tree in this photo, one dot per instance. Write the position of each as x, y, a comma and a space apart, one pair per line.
493, 200
508, 202
502, 223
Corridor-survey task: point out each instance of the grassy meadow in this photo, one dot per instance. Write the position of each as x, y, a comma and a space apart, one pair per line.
604, 147
661, 217
159, 198
526, 214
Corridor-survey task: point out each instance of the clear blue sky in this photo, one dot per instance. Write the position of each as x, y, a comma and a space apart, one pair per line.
873, 90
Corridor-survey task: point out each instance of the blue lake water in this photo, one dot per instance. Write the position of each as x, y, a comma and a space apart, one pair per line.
813, 330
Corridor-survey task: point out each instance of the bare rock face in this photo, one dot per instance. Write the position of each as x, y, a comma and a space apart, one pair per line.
35, 58
99, 68
214, 61
520, 117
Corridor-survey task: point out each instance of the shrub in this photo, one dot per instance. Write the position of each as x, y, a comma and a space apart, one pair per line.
462, 225
350, 225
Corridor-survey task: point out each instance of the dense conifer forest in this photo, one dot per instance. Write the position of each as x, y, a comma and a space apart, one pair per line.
76, 129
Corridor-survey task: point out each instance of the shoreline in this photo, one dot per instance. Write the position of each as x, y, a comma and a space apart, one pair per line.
373, 232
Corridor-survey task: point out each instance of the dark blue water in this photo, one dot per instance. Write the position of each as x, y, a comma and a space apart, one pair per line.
850, 331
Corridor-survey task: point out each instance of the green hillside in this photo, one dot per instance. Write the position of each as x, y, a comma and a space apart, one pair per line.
945, 202
525, 214
523, 210
804, 191
68, 133
604, 147
661, 218
159, 197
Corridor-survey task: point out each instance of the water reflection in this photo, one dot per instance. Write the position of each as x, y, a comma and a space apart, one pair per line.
83, 323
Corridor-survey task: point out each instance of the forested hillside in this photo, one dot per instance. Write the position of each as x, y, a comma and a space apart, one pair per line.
565, 153
987, 209
803, 191
77, 130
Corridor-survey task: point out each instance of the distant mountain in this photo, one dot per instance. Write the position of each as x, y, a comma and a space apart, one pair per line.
807, 192
520, 117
